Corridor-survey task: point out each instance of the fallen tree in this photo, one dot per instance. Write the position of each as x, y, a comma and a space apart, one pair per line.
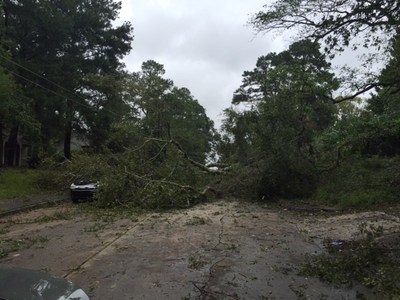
158, 174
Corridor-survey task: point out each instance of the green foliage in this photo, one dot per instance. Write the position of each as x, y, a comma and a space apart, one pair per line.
147, 159
334, 22
362, 261
93, 96
19, 183
6, 89
165, 196
361, 182
294, 142
391, 72
154, 175
239, 132
293, 178
190, 125
382, 129
340, 139
123, 135
97, 122
58, 174
288, 92
241, 182
159, 181
14, 109
165, 111
79, 38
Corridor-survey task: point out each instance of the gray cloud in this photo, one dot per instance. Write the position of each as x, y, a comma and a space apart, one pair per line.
204, 45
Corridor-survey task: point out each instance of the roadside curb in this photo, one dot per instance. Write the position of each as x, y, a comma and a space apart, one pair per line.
28, 207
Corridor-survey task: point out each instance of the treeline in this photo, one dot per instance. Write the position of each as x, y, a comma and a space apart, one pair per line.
62, 57
62, 77
289, 135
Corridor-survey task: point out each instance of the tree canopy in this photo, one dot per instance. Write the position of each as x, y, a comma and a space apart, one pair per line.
297, 136
56, 49
290, 94
336, 22
166, 111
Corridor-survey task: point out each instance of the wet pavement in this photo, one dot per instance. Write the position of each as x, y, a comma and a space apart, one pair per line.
222, 250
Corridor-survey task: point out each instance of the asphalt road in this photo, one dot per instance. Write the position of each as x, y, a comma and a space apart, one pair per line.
223, 250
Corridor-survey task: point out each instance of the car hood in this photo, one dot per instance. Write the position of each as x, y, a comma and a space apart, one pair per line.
23, 284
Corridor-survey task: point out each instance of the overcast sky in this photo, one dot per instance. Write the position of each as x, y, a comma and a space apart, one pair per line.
204, 45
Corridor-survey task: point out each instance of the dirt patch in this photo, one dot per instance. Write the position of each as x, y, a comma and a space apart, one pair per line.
346, 226
223, 250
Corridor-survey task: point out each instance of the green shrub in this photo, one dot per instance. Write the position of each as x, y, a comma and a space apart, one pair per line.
362, 182
240, 182
287, 179
277, 177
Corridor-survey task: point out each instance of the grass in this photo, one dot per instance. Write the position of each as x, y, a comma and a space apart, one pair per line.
18, 183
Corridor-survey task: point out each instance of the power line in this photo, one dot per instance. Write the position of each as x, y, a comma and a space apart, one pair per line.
47, 89
42, 77
51, 91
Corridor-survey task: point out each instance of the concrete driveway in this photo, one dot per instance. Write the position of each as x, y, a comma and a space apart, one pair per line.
222, 250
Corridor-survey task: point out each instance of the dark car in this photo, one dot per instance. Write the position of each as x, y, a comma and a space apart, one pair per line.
23, 284
83, 190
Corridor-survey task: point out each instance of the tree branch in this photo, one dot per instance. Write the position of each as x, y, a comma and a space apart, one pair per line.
367, 88
186, 156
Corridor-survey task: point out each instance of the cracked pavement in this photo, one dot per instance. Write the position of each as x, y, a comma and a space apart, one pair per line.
221, 250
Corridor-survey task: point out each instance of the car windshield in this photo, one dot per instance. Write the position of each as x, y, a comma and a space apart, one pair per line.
84, 181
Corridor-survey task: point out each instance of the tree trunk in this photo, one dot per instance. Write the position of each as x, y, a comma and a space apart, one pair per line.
1, 145
11, 151
67, 140
68, 131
